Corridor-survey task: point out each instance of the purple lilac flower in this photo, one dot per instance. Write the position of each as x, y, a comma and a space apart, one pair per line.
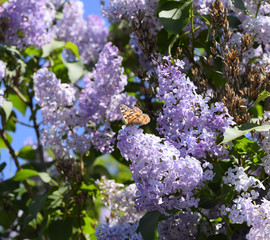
28, 22
108, 84
128, 10
2, 70
100, 99
186, 119
60, 115
241, 181
163, 178
89, 35
256, 216
118, 232
119, 200
67, 124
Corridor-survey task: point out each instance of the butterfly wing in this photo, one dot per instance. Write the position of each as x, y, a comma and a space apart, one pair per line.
143, 119
129, 114
134, 116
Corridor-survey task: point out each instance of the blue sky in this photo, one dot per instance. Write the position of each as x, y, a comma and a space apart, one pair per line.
23, 132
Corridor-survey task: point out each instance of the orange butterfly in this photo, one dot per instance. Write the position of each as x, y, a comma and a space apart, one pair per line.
134, 116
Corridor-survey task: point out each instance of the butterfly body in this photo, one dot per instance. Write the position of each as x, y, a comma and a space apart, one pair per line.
134, 116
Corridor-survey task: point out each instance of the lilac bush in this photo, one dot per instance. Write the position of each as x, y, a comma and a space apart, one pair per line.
198, 168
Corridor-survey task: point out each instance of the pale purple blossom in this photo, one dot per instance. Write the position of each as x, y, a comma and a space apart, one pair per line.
90, 35
120, 201
29, 22
163, 178
186, 119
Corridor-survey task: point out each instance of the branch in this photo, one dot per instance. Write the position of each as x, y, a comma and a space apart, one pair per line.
16, 90
36, 127
18, 121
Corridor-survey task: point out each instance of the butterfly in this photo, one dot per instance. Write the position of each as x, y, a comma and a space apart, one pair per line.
134, 116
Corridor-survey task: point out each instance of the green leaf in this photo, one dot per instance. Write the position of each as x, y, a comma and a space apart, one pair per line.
148, 224
238, 4
174, 15
47, 49
236, 132
234, 22
17, 103
27, 153
61, 229
7, 107
262, 96
34, 207
24, 174
75, 70
74, 48
2, 143
32, 51
217, 172
227, 194
207, 203
45, 177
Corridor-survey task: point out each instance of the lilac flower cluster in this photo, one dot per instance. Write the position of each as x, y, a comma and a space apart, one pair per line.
90, 35
129, 10
100, 99
181, 226
118, 232
60, 115
120, 201
2, 70
163, 178
186, 119
67, 124
28, 22
242, 182
256, 216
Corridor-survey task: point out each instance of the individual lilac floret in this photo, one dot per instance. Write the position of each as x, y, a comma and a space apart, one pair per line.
90, 35
2, 70
163, 178
181, 226
120, 201
118, 232
186, 119
28, 22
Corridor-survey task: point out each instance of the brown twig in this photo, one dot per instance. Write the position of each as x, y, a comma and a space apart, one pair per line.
36, 127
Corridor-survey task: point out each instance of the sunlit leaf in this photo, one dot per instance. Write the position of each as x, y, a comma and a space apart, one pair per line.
24, 174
